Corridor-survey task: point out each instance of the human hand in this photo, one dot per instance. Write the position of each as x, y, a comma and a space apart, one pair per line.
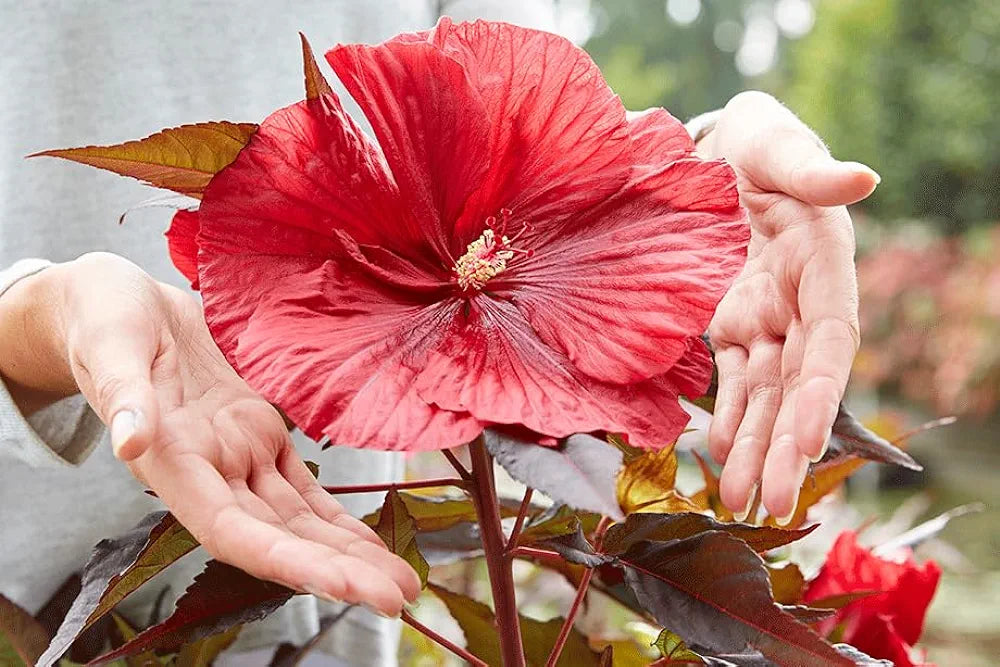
786, 332
216, 453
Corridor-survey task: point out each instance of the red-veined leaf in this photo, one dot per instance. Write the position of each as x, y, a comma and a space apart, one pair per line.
399, 532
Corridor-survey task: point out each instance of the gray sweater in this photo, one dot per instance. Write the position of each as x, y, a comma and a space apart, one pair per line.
76, 72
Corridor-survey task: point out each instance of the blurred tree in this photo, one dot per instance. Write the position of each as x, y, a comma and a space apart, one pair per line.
910, 87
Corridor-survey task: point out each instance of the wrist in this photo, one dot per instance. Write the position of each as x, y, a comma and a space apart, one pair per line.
34, 361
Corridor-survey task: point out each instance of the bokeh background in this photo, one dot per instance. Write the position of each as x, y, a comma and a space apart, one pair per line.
912, 88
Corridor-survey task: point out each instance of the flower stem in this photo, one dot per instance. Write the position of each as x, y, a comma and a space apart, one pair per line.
484, 496
535, 554
415, 484
581, 593
456, 464
451, 646
522, 514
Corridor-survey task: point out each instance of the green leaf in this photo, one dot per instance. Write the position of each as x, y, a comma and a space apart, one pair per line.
714, 592
663, 527
434, 512
581, 471
558, 520
22, 638
675, 651
709, 498
316, 83
203, 652
220, 598
398, 530
787, 583
125, 634
182, 159
477, 622
116, 568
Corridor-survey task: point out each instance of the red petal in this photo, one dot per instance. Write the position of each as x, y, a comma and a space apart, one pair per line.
623, 292
430, 124
336, 349
558, 136
493, 365
308, 171
658, 138
182, 245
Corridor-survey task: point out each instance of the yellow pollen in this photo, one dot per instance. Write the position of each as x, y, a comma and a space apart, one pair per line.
483, 259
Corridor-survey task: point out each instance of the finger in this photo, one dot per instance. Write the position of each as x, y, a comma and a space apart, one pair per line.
291, 466
114, 367
730, 401
209, 508
828, 303
785, 465
300, 519
746, 459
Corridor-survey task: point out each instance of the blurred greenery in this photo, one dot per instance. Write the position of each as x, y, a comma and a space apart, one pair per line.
910, 87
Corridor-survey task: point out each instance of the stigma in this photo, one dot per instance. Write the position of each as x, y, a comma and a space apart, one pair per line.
487, 256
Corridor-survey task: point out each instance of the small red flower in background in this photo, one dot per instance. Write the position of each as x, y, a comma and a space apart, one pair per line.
513, 251
885, 625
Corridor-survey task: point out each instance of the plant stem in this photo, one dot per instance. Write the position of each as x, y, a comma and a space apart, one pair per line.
454, 648
385, 486
456, 464
483, 490
522, 514
531, 552
581, 593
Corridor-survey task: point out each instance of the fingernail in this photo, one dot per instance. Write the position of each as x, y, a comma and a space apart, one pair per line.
857, 167
315, 590
826, 446
742, 516
379, 612
123, 426
783, 521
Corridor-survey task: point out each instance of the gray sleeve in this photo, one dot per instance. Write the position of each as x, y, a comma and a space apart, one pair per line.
60, 435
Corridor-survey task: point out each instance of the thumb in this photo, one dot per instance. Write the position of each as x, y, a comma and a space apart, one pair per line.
115, 378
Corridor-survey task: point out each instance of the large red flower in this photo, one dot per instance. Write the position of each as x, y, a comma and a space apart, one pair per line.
512, 251
885, 625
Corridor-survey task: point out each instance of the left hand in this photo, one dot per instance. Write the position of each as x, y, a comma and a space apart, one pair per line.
786, 333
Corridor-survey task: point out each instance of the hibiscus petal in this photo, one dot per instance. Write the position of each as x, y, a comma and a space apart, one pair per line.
493, 365
622, 292
658, 138
557, 132
182, 245
334, 347
430, 123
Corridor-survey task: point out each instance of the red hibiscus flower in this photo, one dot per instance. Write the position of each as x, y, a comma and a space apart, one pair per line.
512, 251
885, 625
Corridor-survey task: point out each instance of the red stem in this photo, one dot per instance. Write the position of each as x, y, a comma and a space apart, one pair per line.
416, 484
522, 514
581, 593
456, 464
454, 648
483, 490
531, 552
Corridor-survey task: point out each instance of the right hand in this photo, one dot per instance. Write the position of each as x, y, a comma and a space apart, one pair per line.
216, 453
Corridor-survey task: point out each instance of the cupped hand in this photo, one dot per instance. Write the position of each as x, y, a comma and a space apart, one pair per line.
216, 453
786, 333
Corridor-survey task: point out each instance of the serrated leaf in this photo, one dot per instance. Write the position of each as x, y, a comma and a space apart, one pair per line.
821, 480
714, 592
674, 650
646, 484
807, 614
451, 545
709, 497
316, 83
664, 527
841, 600
478, 625
182, 159
398, 530
580, 471
919, 534
125, 634
289, 655
433, 513
852, 438
557, 520
787, 583
220, 598
575, 548
22, 638
203, 652
116, 568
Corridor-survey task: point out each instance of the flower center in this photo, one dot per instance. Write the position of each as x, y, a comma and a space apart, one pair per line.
488, 255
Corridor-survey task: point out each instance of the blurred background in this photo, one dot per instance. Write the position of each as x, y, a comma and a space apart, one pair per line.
911, 88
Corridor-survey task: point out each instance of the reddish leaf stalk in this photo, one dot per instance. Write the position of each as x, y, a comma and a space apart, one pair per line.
451, 646
482, 487
456, 464
533, 553
522, 514
581, 594
385, 486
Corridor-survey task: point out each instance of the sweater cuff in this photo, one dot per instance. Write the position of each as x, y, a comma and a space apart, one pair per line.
62, 434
